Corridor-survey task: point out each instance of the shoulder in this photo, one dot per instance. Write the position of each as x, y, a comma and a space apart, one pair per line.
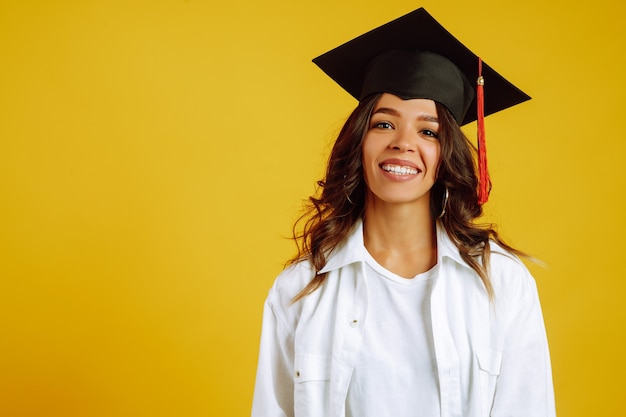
510, 278
290, 282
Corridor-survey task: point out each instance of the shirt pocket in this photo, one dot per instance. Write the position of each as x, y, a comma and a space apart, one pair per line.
311, 385
488, 363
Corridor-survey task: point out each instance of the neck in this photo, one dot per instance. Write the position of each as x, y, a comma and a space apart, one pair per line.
401, 237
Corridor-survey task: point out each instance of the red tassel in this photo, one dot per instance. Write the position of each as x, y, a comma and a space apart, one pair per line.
484, 182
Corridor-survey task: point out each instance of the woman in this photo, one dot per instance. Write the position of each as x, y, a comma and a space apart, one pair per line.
397, 303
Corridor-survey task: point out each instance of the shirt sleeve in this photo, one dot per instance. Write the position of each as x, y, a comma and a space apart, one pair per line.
524, 387
273, 390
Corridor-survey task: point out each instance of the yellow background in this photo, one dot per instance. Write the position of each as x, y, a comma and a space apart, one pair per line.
153, 155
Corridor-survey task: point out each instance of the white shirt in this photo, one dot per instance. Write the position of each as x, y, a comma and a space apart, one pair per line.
492, 357
395, 373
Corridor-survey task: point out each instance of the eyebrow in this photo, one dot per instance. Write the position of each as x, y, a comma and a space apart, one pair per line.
394, 112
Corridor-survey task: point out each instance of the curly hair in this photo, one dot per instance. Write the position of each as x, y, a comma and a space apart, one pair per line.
340, 199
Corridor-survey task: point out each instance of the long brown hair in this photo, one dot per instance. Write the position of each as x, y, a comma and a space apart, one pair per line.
340, 200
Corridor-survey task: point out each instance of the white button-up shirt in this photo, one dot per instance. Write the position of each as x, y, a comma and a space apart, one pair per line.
492, 357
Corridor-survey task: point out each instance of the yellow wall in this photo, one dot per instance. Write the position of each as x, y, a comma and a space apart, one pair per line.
154, 153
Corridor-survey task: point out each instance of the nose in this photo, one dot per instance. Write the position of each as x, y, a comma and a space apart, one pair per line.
404, 140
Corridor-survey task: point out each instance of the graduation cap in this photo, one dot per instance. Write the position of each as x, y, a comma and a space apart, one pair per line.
415, 57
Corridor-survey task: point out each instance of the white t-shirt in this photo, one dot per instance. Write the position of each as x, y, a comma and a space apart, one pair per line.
396, 372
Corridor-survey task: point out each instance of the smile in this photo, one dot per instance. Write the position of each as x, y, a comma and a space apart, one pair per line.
399, 169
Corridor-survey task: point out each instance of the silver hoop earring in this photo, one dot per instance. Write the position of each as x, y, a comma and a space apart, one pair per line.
445, 203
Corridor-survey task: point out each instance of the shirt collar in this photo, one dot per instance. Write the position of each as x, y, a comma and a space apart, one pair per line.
352, 250
446, 248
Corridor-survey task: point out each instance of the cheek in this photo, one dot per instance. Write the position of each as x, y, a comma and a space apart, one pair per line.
366, 147
434, 157
366, 163
368, 157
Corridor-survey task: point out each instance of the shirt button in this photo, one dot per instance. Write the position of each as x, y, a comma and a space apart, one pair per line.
297, 374
354, 323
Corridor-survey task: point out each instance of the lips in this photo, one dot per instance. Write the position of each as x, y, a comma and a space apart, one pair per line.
400, 167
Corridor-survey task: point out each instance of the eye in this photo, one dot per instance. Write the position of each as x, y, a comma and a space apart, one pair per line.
429, 133
382, 125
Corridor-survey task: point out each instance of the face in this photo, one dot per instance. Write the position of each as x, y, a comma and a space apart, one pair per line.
401, 150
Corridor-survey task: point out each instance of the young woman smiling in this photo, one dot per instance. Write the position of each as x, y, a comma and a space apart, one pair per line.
398, 303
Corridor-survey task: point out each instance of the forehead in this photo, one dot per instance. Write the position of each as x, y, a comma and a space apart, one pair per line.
389, 103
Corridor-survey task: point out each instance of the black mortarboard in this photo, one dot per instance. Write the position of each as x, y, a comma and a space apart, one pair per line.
415, 57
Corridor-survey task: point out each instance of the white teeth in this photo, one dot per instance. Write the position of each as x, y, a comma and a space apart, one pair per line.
399, 170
